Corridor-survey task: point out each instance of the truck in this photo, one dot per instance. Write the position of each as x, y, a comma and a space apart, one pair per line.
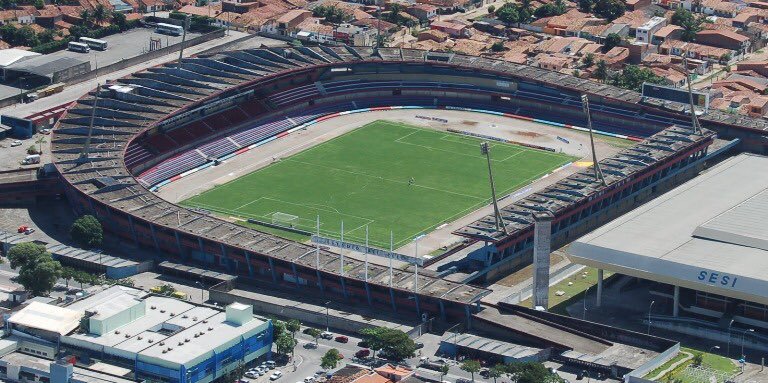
31, 159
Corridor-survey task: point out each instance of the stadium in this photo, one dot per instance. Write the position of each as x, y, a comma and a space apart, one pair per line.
124, 141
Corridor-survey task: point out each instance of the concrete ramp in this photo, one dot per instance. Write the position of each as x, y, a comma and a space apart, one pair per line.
536, 331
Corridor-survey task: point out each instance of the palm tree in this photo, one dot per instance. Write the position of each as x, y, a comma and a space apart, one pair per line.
87, 17
100, 14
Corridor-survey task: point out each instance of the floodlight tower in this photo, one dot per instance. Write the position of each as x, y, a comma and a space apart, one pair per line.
185, 26
87, 145
694, 119
486, 150
595, 165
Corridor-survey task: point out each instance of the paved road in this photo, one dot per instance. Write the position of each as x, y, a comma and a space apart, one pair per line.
73, 92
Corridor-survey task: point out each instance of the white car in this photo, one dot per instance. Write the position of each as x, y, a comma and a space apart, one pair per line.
15, 143
326, 335
251, 375
275, 375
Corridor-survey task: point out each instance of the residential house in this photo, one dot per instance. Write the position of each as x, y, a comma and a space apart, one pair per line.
434, 35
695, 51
146, 6
645, 32
423, 11
48, 16
633, 5
445, 4
312, 30
759, 67
453, 28
720, 8
737, 81
386, 27
355, 35
17, 16
599, 33
615, 58
570, 23
667, 32
552, 62
287, 23
724, 39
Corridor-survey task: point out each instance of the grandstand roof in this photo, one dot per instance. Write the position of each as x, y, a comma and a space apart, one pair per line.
582, 186
706, 234
157, 96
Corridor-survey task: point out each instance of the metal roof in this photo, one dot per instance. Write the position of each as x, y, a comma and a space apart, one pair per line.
694, 236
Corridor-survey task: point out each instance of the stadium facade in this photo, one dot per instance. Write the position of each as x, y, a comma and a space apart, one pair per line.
144, 126
704, 245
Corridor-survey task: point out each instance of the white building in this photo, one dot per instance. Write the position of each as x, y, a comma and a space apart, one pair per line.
644, 33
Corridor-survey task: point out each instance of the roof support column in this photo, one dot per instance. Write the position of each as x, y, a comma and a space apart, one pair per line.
133, 229
272, 269
368, 293
676, 302
154, 237
599, 302
248, 263
392, 299
178, 243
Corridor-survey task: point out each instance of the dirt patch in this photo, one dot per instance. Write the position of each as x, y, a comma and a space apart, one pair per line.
529, 134
469, 123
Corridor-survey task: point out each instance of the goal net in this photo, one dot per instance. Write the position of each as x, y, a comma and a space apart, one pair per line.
285, 219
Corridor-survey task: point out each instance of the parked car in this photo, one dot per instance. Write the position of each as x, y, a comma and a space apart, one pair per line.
270, 364
326, 335
342, 339
276, 375
251, 375
419, 345
309, 379
363, 353
15, 143
45, 131
29, 231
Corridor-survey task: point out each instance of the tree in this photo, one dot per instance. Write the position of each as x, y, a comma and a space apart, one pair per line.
120, 20
497, 46
633, 76
87, 232
38, 272
396, 344
588, 60
601, 71
86, 17
39, 4
26, 36
330, 359
497, 371
609, 9
585, 5
292, 326
46, 36
554, 8
444, 371
332, 14
531, 372
691, 24
315, 333
67, 274
278, 329
471, 366
698, 359
285, 344
492, 9
100, 14
508, 13
611, 41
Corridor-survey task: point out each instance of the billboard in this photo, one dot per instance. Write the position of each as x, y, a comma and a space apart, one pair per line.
366, 250
670, 93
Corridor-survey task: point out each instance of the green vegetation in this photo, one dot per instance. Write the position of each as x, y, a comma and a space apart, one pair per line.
87, 232
332, 14
711, 361
395, 344
554, 8
38, 272
515, 13
633, 76
471, 366
690, 23
607, 9
385, 175
330, 359
573, 287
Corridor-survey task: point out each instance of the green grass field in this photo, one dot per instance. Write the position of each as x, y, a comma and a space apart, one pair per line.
362, 178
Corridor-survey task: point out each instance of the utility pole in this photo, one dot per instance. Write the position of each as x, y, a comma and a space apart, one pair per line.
694, 119
86, 146
486, 150
595, 165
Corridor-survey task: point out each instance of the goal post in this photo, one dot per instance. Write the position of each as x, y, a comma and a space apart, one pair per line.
285, 219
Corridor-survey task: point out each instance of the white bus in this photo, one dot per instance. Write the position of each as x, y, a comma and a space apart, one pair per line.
169, 29
94, 43
78, 47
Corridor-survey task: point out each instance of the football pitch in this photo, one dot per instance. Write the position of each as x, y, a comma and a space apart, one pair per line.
385, 176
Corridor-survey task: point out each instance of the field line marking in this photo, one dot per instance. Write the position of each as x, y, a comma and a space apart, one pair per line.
385, 179
246, 204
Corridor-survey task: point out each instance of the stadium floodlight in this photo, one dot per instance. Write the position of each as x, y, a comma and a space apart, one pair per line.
87, 145
485, 149
595, 165
694, 118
